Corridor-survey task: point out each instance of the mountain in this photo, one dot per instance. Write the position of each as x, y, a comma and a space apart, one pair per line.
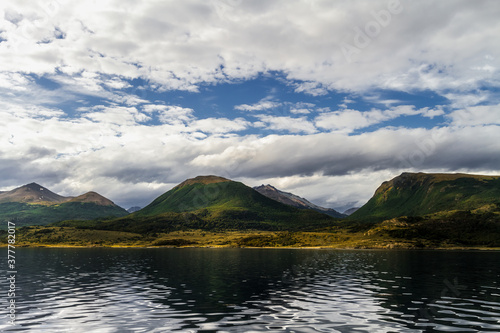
350, 211
31, 193
212, 202
204, 180
93, 197
419, 194
294, 200
134, 209
33, 204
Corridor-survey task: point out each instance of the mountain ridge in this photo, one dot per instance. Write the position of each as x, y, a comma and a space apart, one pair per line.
32, 193
216, 203
419, 194
210, 179
413, 210
291, 199
34, 204
93, 197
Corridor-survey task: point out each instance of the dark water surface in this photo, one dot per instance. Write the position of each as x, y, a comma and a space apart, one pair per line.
254, 290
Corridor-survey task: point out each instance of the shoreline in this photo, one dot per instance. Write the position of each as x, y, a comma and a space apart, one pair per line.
70, 237
452, 248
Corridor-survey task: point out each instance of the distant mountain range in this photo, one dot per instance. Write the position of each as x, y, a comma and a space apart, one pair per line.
33, 204
134, 209
414, 210
350, 211
294, 200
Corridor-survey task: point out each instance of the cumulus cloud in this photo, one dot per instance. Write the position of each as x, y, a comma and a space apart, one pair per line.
114, 115
302, 108
476, 115
349, 120
13, 81
169, 114
286, 124
179, 46
261, 105
87, 151
96, 121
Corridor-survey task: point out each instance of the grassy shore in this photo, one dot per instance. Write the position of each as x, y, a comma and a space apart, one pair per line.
335, 239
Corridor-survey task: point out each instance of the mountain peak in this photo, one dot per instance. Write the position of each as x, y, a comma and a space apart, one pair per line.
31, 193
293, 200
216, 202
33, 204
419, 194
93, 197
417, 179
210, 179
266, 187
33, 185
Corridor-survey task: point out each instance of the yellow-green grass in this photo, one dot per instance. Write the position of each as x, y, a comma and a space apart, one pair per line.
377, 237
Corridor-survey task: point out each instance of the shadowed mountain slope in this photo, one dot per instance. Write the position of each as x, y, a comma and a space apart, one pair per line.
418, 194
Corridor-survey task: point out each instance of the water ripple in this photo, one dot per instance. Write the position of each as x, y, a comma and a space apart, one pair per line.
231, 290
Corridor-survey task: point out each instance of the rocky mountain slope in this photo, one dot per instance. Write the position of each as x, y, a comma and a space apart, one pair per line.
32, 193
294, 200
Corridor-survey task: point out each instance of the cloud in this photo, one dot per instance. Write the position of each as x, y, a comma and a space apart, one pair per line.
219, 125
169, 114
286, 124
114, 115
274, 106
71, 154
311, 87
82, 86
184, 120
13, 81
302, 108
476, 115
208, 43
337, 154
349, 120
261, 105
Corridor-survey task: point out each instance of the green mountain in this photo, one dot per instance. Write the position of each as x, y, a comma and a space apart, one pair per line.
420, 194
414, 210
216, 203
33, 204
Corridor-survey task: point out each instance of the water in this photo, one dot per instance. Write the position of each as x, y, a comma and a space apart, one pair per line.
254, 290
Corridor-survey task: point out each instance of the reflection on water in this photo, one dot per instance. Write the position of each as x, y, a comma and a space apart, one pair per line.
255, 290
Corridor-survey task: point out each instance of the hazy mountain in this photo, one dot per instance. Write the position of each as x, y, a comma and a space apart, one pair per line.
350, 211
294, 200
134, 209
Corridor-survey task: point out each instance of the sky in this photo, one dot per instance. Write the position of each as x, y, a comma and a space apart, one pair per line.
324, 99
